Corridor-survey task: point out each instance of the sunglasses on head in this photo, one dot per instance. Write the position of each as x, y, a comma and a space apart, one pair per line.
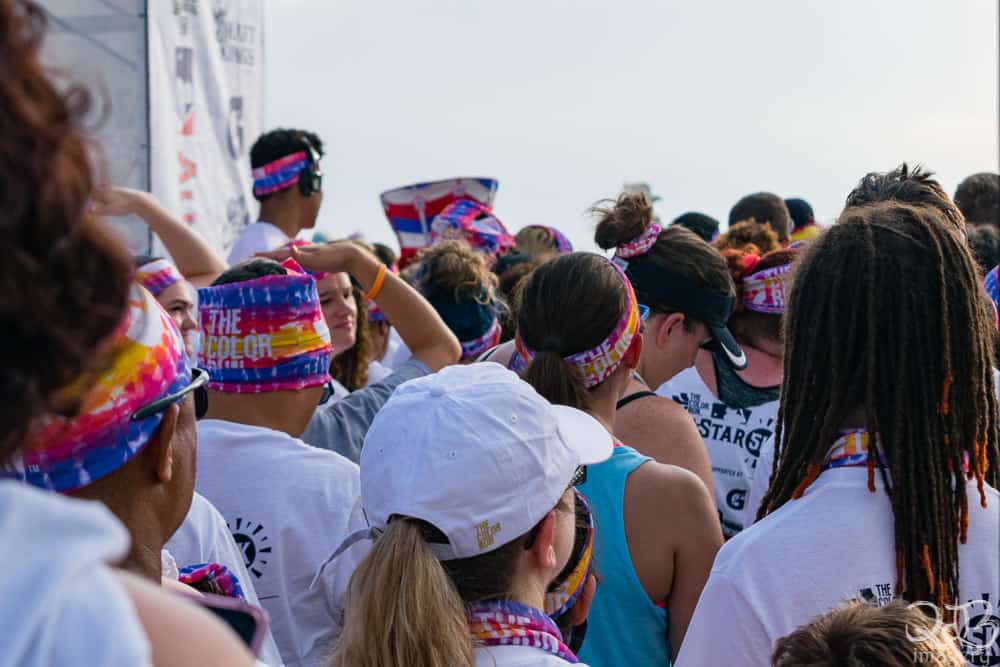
199, 378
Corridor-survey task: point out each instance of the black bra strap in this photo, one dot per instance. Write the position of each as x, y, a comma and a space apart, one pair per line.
633, 397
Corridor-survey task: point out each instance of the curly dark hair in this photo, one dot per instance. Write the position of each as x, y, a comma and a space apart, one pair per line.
65, 278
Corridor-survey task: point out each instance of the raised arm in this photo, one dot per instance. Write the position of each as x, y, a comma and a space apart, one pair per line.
193, 257
421, 328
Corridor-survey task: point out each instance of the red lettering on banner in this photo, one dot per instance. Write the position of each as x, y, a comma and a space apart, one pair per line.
188, 170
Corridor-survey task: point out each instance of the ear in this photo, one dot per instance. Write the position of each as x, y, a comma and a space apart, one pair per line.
543, 551
670, 323
633, 353
160, 448
581, 608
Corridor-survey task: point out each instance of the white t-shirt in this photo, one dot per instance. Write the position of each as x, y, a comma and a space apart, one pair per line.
62, 603
759, 477
396, 351
733, 438
833, 544
257, 237
377, 371
289, 506
205, 538
518, 656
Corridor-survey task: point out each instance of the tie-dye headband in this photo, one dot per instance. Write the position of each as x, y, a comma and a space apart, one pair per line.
473, 348
764, 291
148, 363
280, 174
559, 601
599, 363
641, 244
158, 275
474, 223
213, 578
266, 334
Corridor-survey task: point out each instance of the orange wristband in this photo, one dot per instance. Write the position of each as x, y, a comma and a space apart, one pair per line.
377, 283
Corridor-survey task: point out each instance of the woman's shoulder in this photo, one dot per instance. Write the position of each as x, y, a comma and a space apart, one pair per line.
664, 482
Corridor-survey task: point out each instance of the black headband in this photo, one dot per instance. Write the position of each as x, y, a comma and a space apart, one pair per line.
706, 304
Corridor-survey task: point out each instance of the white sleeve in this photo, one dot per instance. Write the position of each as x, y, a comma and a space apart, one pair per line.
725, 630
96, 624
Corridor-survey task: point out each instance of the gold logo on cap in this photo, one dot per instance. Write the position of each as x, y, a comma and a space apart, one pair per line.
485, 533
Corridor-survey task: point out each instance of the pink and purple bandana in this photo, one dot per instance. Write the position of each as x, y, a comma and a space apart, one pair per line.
509, 623
212, 578
158, 275
765, 290
412, 208
64, 454
468, 220
471, 350
599, 363
641, 244
280, 174
266, 334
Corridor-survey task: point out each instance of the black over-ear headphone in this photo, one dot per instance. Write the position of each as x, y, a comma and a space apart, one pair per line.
311, 178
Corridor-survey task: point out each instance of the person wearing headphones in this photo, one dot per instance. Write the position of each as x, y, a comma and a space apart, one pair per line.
288, 183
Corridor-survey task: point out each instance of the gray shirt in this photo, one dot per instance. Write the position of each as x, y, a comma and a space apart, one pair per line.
341, 427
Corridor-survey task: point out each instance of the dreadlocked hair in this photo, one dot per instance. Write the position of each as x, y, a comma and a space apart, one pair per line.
885, 324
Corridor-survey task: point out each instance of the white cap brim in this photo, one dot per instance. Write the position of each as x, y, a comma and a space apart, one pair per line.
583, 434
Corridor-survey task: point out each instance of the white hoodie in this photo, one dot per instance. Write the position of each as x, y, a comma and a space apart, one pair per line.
63, 604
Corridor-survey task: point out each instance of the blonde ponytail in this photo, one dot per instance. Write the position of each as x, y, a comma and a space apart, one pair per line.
402, 608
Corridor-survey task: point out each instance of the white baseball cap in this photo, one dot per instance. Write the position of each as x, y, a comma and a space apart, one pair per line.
476, 452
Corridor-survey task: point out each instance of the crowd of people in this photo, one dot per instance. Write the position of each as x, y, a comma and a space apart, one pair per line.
770, 444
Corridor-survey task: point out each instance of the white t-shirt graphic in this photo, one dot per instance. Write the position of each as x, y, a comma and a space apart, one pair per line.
733, 438
833, 544
289, 506
205, 538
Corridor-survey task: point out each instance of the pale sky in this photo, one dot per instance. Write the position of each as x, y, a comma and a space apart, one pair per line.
564, 101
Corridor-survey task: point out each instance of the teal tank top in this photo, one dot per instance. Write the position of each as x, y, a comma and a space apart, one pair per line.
624, 627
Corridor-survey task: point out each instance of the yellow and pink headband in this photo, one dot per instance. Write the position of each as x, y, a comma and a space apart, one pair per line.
266, 334
158, 275
598, 363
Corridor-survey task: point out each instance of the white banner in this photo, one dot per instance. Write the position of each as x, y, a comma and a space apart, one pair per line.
206, 81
